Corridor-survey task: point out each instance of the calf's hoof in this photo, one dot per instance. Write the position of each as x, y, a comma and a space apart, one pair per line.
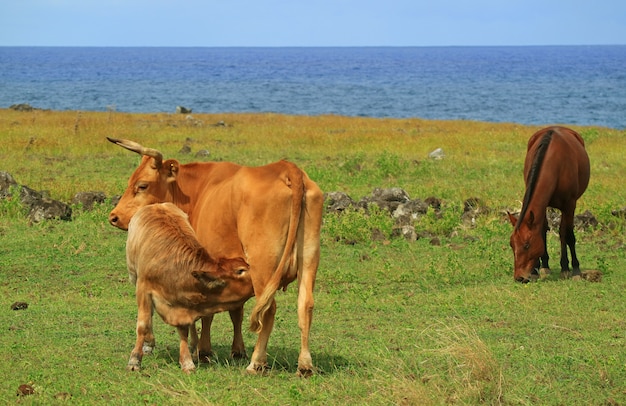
305, 372
188, 367
133, 365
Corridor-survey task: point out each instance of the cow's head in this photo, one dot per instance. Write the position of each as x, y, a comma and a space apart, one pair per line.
150, 183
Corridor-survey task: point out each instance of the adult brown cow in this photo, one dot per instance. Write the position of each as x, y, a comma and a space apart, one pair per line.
174, 275
270, 215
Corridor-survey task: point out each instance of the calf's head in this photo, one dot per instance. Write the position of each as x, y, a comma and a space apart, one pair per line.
150, 183
227, 277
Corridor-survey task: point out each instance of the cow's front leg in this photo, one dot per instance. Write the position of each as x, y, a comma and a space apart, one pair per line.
238, 349
205, 352
258, 363
186, 362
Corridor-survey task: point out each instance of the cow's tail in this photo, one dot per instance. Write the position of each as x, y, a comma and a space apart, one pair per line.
295, 180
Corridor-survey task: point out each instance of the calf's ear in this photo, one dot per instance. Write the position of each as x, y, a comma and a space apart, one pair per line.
208, 280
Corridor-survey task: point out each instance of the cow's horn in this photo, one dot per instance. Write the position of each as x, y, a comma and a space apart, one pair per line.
138, 148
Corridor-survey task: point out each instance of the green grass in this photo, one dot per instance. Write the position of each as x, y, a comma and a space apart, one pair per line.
395, 322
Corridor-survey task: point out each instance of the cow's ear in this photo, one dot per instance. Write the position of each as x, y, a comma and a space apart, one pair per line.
171, 169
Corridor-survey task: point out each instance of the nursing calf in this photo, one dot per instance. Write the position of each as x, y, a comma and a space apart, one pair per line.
175, 276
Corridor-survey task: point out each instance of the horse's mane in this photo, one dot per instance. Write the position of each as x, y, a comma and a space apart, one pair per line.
533, 174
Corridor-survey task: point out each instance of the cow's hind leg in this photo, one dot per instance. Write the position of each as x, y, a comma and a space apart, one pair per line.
186, 362
258, 362
305, 317
309, 255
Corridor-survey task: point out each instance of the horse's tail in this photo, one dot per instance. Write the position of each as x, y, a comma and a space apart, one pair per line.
533, 173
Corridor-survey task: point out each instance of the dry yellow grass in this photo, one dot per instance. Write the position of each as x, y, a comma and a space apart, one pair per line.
482, 159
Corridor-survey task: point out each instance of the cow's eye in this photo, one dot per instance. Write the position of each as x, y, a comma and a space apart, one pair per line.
142, 186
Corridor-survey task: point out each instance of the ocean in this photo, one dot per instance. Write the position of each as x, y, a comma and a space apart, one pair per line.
578, 85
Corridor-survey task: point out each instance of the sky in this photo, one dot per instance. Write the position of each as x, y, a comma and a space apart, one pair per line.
278, 23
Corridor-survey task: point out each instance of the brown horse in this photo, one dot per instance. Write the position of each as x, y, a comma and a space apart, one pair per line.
556, 172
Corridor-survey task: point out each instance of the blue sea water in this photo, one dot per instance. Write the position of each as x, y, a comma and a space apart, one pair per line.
581, 85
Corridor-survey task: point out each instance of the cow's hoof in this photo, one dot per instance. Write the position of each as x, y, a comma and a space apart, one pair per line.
205, 357
238, 355
188, 367
257, 369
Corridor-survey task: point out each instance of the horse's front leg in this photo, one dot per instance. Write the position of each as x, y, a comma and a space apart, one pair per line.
543, 261
570, 239
566, 233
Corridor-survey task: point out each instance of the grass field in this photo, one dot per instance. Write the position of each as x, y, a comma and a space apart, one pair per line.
395, 322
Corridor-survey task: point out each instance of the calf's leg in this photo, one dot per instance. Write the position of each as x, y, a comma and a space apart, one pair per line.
144, 331
186, 362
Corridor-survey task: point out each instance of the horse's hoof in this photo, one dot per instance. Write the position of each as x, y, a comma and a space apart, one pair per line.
544, 273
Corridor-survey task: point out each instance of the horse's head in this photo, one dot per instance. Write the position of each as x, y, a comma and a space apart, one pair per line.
527, 244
